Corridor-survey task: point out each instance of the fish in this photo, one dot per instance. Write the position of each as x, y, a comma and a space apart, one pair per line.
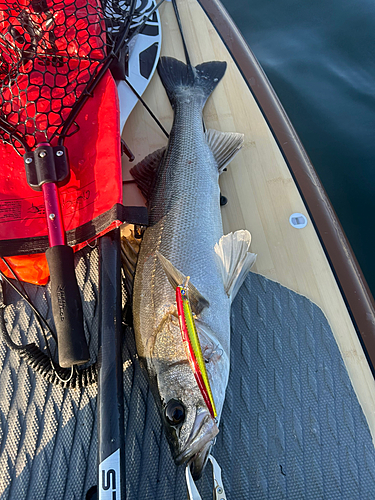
185, 238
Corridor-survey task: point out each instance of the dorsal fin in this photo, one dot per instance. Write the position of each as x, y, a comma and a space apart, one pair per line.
176, 278
224, 146
235, 260
145, 172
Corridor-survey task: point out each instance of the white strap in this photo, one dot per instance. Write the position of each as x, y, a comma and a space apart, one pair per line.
193, 493
219, 492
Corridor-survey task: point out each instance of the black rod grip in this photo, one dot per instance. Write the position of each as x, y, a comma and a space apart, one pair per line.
67, 307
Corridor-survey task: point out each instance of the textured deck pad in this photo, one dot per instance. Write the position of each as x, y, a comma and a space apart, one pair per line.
48, 437
291, 427
297, 430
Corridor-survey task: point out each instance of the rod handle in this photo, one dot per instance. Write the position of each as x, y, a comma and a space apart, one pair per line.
67, 307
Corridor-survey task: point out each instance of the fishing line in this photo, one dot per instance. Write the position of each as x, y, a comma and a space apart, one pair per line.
40, 362
138, 96
37, 46
174, 3
145, 19
96, 77
11, 135
186, 57
147, 108
177, 14
25, 296
38, 316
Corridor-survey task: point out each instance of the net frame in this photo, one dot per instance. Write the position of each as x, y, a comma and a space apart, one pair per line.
53, 53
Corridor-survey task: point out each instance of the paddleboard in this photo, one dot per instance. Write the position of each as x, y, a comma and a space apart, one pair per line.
298, 421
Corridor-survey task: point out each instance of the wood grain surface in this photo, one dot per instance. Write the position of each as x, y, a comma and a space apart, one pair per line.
260, 189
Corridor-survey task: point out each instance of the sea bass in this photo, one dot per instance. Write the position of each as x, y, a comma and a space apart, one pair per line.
185, 238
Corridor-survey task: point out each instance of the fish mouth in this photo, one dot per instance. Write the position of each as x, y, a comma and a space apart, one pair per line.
201, 439
199, 461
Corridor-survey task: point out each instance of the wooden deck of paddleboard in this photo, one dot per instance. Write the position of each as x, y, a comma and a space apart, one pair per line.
260, 189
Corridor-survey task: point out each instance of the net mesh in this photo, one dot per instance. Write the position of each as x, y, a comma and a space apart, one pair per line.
50, 52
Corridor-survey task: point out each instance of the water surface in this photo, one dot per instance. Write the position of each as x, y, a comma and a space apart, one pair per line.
320, 59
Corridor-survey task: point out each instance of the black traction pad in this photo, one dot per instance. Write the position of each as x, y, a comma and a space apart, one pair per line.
291, 426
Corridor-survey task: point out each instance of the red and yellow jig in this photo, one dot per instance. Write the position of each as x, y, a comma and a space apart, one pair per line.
192, 346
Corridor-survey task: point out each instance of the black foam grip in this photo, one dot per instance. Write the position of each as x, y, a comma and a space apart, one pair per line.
67, 307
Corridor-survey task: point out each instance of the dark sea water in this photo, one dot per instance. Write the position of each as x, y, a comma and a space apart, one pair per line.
320, 59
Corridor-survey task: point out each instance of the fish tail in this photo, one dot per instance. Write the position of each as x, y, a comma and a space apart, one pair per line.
177, 77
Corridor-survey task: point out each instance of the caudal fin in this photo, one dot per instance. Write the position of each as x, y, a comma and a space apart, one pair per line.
177, 77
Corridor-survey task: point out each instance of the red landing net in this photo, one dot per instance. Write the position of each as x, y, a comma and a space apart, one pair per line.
49, 51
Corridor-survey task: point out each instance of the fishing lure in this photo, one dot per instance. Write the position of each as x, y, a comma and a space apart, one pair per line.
192, 346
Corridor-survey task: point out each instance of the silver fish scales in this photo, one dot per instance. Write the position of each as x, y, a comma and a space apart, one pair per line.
185, 238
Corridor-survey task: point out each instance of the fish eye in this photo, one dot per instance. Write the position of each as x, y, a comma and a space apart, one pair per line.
175, 412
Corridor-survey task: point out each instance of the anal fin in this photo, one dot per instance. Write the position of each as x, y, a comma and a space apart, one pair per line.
235, 260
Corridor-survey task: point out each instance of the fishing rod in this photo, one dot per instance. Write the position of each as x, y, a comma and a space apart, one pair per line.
34, 44
111, 440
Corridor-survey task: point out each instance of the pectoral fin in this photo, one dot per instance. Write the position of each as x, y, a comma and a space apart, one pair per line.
176, 278
224, 146
235, 260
